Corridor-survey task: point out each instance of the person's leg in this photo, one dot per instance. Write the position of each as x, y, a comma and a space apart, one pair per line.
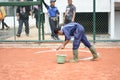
85, 41
56, 26
91, 48
36, 22
76, 44
75, 56
26, 22
4, 24
52, 25
20, 28
94, 52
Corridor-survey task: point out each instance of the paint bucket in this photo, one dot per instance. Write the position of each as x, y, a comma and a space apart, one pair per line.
61, 58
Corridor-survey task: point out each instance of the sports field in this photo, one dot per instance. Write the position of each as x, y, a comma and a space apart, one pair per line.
33, 62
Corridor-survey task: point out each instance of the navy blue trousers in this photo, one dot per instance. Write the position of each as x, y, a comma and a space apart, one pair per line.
53, 26
79, 36
26, 23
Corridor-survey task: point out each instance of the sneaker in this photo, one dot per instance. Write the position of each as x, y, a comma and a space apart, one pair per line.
53, 37
18, 35
7, 28
57, 38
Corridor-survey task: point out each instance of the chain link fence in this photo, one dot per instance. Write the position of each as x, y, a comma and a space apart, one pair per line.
86, 19
42, 33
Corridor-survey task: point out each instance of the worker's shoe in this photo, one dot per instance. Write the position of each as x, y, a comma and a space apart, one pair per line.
94, 53
75, 56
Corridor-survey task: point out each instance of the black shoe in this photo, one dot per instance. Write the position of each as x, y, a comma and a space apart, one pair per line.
53, 37
7, 28
18, 35
57, 38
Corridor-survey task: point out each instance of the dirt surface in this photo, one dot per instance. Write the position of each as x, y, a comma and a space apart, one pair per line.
40, 64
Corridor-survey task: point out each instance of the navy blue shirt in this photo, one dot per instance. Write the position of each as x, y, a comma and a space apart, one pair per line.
72, 29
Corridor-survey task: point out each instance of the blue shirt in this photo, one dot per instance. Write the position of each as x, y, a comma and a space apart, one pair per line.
72, 29
52, 11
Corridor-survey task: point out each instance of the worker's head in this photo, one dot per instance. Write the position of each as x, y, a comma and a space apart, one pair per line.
69, 2
52, 2
58, 31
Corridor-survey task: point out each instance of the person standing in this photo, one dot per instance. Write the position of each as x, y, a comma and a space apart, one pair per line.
70, 12
53, 17
35, 11
23, 13
77, 31
3, 14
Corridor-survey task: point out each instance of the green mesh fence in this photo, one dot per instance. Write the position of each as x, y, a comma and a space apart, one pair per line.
86, 19
39, 34
35, 34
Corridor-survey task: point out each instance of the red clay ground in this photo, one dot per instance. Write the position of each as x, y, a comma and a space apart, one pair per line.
26, 64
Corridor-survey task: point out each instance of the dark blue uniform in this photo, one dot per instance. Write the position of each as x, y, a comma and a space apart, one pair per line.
76, 30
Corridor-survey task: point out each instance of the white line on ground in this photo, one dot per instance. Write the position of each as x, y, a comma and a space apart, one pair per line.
89, 58
53, 50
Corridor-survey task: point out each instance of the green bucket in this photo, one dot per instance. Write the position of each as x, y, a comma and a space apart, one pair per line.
61, 58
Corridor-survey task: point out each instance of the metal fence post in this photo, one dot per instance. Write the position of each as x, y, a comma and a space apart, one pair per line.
14, 24
94, 21
42, 20
39, 22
